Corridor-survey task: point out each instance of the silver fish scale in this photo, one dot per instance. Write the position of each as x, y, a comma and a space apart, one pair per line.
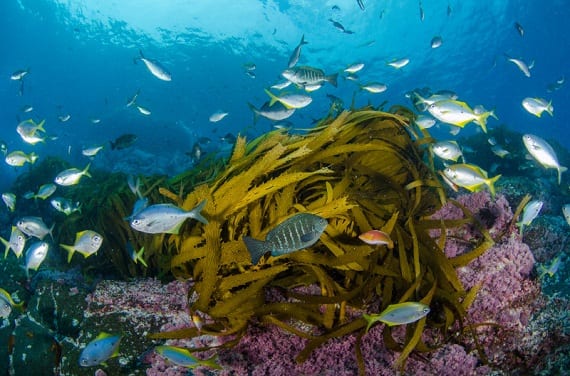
292, 233
309, 76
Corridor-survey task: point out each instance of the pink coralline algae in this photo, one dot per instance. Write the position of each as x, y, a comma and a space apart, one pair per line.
502, 315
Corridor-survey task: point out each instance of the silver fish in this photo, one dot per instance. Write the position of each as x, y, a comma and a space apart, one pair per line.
543, 153
523, 67
65, 206
290, 101
530, 212
71, 176
34, 226
10, 200
45, 191
87, 243
103, 347
277, 112
35, 255
165, 218
7, 303
308, 76
156, 68
296, 53
17, 242
298, 232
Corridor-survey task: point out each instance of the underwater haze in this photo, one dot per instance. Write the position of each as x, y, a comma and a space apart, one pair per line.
82, 61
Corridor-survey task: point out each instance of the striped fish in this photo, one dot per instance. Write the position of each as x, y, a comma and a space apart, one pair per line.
298, 232
308, 76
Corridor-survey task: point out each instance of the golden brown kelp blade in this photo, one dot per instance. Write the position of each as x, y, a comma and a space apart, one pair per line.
360, 171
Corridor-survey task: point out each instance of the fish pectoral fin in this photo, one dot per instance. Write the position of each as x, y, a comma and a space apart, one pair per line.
309, 236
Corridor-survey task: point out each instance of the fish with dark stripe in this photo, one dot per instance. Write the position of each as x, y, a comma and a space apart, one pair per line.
298, 232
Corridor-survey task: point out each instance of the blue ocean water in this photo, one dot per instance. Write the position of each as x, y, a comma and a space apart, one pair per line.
81, 55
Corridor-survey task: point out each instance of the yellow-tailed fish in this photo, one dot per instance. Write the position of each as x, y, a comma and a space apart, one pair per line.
45, 191
551, 269
537, 106
10, 200
87, 243
470, 177
530, 212
72, 176
17, 242
7, 303
458, 113
543, 153
447, 150
91, 151
182, 357
19, 158
290, 100
424, 122
399, 314
104, 347
35, 255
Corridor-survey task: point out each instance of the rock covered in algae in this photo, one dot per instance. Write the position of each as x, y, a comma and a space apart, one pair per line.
360, 171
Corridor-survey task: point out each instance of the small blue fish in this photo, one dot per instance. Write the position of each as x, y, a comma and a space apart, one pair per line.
103, 347
182, 357
399, 314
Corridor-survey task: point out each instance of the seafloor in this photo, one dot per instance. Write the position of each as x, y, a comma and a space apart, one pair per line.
520, 317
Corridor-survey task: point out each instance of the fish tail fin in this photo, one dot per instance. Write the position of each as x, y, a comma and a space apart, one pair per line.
211, 362
70, 251
491, 184
51, 231
255, 112
7, 245
20, 306
33, 157
40, 126
86, 170
370, 319
561, 169
303, 41
272, 96
333, 79
139, 257
195, 213
481, 119
140, 53
256, 248
550, 109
